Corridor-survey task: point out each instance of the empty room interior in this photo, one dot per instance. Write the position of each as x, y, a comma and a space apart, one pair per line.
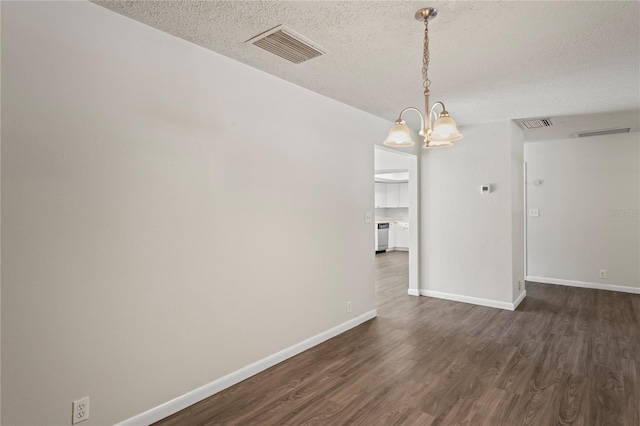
263, 213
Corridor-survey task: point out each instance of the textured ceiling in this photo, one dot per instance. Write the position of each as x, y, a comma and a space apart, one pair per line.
490, 61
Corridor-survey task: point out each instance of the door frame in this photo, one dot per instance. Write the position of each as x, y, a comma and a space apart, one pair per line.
414, 216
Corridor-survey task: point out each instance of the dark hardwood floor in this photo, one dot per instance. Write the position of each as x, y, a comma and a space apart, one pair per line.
567, 356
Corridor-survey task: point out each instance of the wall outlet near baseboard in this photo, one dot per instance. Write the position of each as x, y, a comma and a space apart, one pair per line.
80, 410
349, 306
520, 285
603, 273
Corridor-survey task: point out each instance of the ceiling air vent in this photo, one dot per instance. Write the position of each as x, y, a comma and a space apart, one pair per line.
287, 44
536, 123
602, 132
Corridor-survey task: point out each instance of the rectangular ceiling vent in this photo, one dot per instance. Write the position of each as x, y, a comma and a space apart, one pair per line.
287, 44
602, 132
536, 123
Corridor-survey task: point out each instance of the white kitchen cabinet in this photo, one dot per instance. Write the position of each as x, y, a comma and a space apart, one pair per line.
381, 195
393, 195
404, 194
402, 235
392, 234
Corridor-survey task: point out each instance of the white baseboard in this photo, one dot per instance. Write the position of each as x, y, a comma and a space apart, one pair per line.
584, 284
519, 299
473, 300
205, 391
414, 292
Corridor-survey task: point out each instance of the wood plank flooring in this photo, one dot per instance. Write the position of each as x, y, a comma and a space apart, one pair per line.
567, 356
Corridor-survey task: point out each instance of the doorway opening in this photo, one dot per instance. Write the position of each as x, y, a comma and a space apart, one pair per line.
396, 224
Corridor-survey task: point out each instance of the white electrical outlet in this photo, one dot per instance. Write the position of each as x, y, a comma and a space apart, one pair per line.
80, 410
603, 273
520, 285
349, 306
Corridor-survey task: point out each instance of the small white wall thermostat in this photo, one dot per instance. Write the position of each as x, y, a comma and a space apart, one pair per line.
485, 189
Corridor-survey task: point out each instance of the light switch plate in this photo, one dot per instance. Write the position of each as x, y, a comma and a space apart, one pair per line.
368, 217
534, 213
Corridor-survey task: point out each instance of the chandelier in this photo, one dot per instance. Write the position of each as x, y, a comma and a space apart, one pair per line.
444, 130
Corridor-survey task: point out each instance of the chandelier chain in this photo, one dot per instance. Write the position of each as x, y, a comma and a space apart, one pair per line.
425, 58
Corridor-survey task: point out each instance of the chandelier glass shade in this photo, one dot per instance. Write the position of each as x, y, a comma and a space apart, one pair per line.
399, 135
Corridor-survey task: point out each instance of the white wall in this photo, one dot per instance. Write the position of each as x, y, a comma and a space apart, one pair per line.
415, 249
167, 214
468, 238
517, 210
0, 236
588, 202
386, 159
